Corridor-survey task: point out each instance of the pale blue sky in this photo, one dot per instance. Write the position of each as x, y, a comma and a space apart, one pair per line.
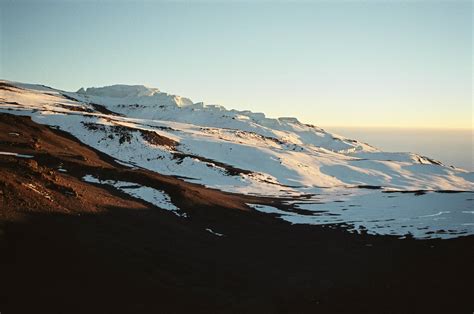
366, 63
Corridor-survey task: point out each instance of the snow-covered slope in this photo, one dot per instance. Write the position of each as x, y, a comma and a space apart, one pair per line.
235, 151
148, 103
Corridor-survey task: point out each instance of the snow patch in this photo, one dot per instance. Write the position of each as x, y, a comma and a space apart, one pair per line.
15, 155
214, 233
401, 214
156, 197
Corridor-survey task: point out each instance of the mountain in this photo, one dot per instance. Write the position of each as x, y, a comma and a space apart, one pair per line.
308, 170
127, 199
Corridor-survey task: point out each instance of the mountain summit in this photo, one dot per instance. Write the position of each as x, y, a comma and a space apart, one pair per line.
120, 91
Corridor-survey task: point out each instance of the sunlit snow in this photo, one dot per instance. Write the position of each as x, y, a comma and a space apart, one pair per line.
150, 195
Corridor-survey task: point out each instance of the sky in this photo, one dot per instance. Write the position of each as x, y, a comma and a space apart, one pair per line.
329, 63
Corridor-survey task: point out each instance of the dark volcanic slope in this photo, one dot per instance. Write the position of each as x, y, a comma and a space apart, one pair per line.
67, 246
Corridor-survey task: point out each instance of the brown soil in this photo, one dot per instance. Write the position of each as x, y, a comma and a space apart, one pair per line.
97, 107
124, 134
68, 246
9, 87
156, 139
229, 170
